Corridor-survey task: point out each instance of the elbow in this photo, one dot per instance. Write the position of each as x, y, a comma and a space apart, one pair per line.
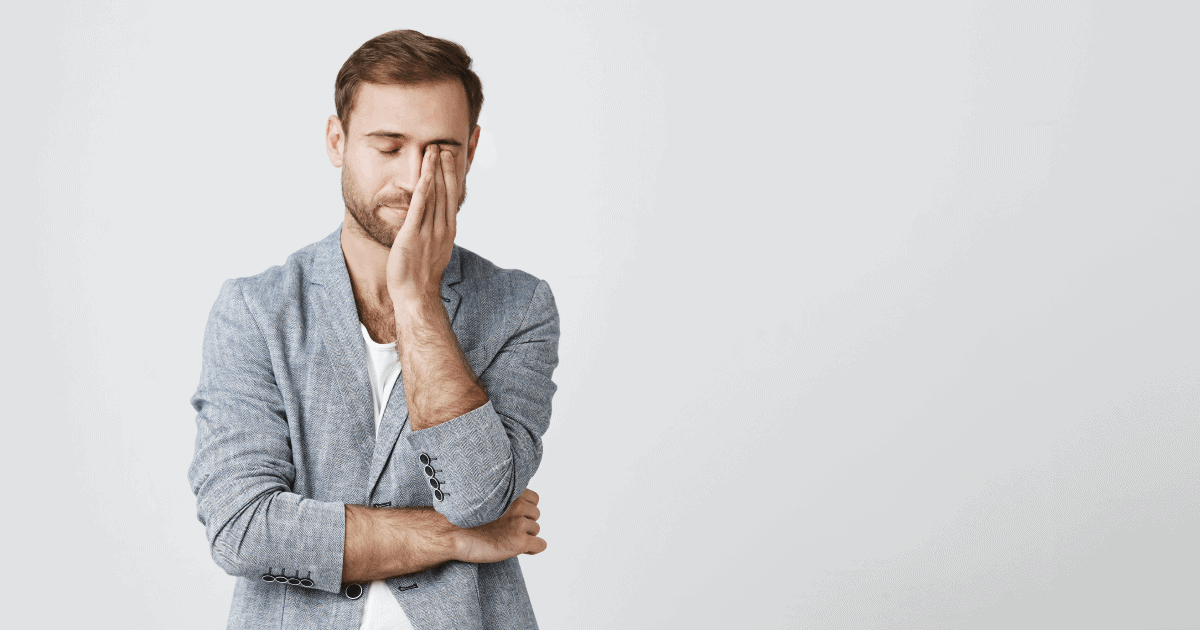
231, 554
233, 540
230, 563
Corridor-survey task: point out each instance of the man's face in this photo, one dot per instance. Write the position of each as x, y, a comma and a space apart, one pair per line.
380, 154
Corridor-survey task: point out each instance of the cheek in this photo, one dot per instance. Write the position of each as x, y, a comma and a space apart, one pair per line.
365, 175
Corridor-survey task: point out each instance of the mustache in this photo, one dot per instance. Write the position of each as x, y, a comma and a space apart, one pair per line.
399, 199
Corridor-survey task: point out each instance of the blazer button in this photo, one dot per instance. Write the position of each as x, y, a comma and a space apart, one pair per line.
282, 579
433, 483
425, 459
267, 577
437, 494
429, 471
353, 591
306, 583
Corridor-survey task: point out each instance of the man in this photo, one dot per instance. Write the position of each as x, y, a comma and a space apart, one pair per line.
370, 412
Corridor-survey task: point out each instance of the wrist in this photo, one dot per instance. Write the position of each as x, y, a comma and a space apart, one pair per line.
413, 289
411, 302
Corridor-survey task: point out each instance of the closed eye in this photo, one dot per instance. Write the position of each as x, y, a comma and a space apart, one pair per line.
392, 152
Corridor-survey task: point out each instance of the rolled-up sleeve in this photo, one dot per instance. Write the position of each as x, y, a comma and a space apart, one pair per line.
242, 471
482, 460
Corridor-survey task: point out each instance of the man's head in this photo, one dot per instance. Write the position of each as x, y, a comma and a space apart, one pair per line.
398, 93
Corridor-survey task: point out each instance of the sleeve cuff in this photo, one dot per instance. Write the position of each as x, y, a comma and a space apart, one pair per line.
328, 546
303, 545
467, 463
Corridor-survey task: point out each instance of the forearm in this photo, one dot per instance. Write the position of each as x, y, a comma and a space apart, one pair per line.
487, 455
439, 383
386, 542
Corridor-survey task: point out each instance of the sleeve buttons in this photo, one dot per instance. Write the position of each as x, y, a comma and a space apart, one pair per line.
429, 471
282, 578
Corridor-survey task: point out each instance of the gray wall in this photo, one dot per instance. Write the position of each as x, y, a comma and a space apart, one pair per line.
875, 314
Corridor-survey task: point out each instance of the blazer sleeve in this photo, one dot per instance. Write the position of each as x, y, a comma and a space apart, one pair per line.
242, 471
482, 460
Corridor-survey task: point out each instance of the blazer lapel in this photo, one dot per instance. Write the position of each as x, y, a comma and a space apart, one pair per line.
342, 336
452, 276
395, 416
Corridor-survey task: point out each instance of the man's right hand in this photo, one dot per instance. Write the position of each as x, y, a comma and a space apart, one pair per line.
386, 542
512, 534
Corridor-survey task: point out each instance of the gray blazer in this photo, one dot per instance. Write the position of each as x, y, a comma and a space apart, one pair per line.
285, 437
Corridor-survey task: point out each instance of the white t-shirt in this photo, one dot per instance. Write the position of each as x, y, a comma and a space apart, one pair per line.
381, 611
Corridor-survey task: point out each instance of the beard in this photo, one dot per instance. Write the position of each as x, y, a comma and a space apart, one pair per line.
381, 225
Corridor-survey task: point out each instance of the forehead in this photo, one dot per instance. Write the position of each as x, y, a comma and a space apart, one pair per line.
436, 109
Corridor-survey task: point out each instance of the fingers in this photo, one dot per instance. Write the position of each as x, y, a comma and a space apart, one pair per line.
421, 193
438, 220
536, 546
453, 190
527, 504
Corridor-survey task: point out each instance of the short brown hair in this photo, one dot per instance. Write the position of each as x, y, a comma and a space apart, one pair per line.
405, 57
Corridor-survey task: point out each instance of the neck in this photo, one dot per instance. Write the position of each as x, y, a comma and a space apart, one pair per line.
366, 260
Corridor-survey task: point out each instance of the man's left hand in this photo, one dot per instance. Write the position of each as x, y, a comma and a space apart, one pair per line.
439, 382
422, 248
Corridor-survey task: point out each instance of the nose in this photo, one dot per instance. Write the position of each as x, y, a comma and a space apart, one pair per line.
412, 162
406, 171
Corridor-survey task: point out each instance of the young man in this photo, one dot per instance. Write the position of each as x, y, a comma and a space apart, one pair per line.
371, 411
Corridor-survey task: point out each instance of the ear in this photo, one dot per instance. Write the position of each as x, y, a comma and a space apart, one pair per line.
471, 145
335, 141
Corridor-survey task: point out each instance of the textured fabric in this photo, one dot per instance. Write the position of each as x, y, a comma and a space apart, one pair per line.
285, 439
381, 611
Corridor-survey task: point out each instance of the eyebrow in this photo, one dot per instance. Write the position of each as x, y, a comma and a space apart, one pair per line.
395, 135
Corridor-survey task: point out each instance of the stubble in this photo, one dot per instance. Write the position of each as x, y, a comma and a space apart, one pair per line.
367, 212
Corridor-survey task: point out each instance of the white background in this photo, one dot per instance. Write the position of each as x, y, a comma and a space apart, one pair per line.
874, 314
